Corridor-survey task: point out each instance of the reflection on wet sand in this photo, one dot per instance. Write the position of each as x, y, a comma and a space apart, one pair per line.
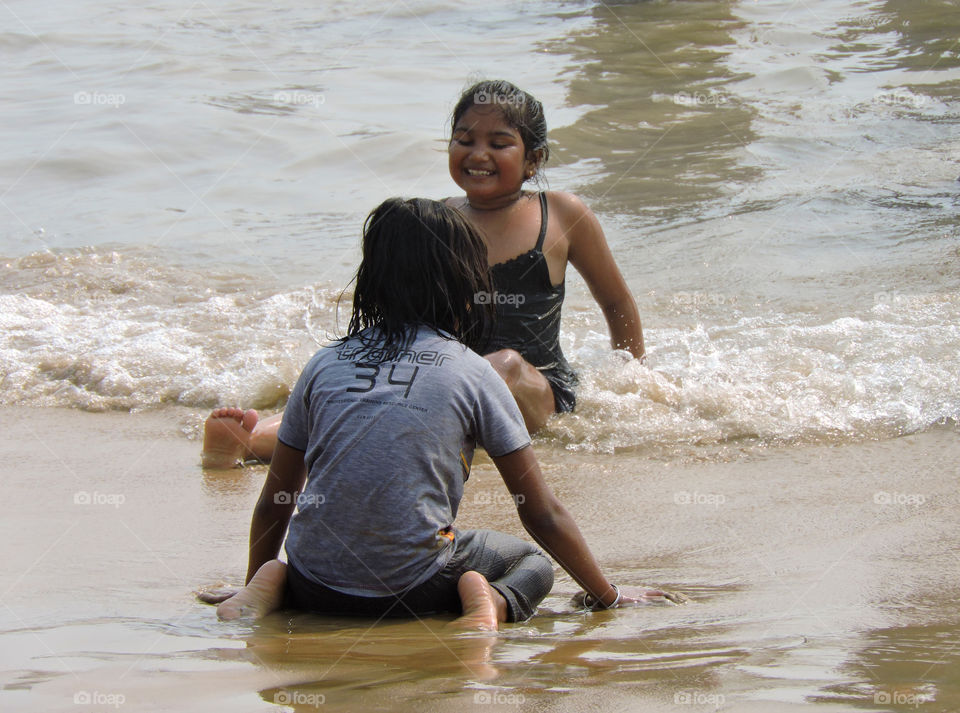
340, 662
905, 667
333, 662
821, 574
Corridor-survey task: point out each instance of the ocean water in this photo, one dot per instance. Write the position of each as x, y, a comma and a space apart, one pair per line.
182, 187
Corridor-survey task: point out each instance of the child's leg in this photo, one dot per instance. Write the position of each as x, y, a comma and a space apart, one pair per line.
514, 569
231, 435
263, 440
483, 606
261, 596
529, 387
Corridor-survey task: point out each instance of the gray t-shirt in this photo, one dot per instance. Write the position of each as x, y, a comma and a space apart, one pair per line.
388, 446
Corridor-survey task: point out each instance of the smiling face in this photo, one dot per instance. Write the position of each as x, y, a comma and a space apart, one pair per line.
487, 158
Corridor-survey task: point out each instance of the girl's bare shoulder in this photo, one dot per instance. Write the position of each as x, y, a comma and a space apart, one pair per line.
569, 209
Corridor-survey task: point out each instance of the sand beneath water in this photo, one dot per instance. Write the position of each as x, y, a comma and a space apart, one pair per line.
818, 575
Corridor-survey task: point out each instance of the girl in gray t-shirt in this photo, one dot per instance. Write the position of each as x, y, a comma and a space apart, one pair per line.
377, 441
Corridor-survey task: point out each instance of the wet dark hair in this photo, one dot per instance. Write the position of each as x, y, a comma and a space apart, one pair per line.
423, 264
520, 110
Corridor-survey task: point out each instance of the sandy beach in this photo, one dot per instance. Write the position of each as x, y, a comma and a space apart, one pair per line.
183, 188
817, 574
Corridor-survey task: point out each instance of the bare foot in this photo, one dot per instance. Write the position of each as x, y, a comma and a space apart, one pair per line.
226, 437
483, 607
261, 596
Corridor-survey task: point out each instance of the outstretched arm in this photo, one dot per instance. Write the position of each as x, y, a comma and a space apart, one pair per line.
549, 523
589, 253
273, 510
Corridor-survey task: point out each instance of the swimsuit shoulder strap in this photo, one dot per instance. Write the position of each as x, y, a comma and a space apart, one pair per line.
543, 220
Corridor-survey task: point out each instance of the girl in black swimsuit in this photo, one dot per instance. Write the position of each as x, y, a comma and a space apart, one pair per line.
530, 321
498, 142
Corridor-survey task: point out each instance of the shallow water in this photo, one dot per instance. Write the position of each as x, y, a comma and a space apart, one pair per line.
816, 574
183, 187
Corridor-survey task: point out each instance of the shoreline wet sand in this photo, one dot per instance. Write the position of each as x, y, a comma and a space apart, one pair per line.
818, 574
185, 188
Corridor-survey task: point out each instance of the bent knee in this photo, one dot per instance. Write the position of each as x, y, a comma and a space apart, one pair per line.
543, 565
508, 363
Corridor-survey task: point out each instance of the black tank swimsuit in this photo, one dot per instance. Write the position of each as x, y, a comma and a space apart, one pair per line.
528, 316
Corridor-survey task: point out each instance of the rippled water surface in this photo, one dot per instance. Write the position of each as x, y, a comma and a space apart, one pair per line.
185, 187
182, 187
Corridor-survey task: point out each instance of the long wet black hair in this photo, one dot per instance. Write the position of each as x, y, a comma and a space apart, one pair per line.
423, 264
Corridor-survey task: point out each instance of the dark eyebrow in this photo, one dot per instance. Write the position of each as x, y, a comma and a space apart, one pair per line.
500, 133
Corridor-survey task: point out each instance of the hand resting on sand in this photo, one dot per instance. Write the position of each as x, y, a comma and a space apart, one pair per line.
637, 596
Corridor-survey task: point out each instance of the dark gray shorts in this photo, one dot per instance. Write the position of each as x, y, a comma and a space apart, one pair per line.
518, 570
